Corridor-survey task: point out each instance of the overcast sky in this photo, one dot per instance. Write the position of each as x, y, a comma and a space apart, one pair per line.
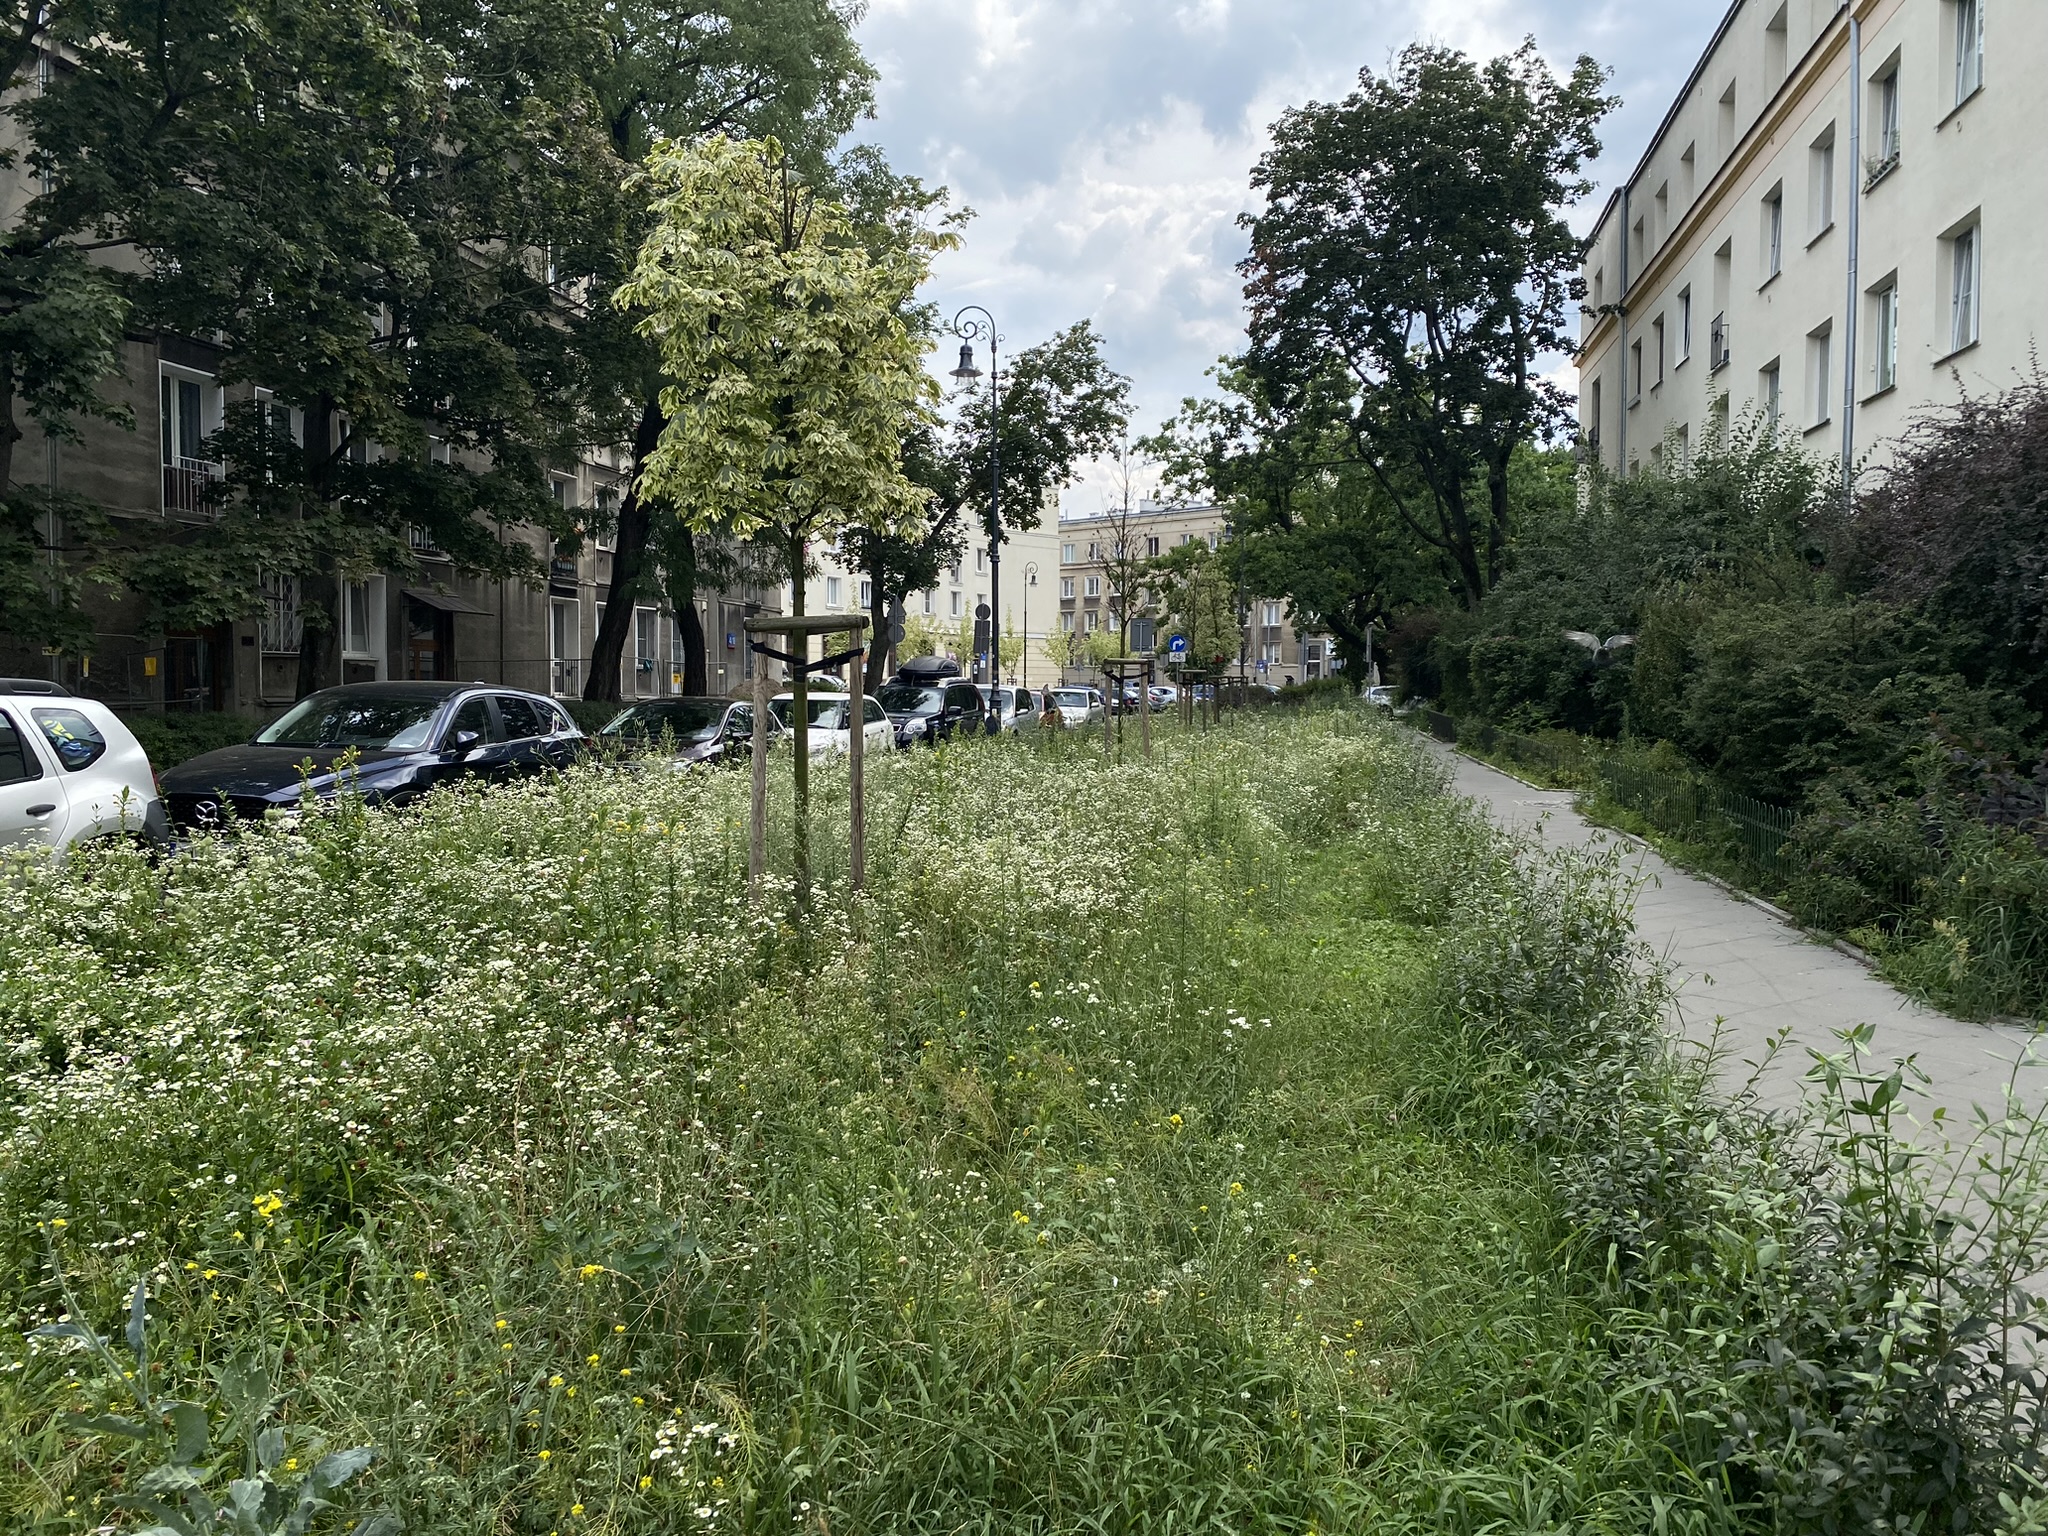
1106, 145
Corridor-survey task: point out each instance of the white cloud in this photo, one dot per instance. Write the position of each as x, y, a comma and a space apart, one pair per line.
1106, 145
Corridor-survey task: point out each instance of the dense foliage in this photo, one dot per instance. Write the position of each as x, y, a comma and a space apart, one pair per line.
1314, 1162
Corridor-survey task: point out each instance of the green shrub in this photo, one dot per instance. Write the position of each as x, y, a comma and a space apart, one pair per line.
174, 738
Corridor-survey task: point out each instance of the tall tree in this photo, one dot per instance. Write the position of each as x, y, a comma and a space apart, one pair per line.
1414, 245
677, 70
792, 372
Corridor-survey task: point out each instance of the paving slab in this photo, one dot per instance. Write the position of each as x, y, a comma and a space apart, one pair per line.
1742, 976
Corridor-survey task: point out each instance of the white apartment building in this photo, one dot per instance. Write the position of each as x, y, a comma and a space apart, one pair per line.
1843, 213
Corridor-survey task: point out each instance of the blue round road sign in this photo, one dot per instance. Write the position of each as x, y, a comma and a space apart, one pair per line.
1178, 645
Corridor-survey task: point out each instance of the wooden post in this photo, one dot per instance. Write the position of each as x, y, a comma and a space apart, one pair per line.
757, 854
1109, 699
1145, 709
856, 747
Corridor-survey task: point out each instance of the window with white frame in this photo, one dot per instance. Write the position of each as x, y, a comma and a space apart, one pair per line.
867, 593
1968, 41
646, 647
1066, 554
1657, 347
1820, 357
1774, 232
1769, 391
833, 594
362, 619
1066, 586
955, 596
1965, 285
1820, 174
928, 596
1635, 372
564, 651
1271, 615
1066, 623
1884, 335
1886, 94
279, 626
1093, 587
1684, 324
1094, 620
189, 408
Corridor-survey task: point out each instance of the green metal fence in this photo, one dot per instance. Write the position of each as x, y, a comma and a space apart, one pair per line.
1701, 811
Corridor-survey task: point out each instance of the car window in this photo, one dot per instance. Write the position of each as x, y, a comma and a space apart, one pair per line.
873, 712
475, 715
75, 739
344, 717
967, 699
557, 718
520, 717
17, 758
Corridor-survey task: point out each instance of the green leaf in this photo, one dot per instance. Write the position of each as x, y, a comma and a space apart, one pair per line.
270, 1448
107, 1424
188, 1421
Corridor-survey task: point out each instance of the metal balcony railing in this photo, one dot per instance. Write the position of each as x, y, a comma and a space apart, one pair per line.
567, 679
189, 486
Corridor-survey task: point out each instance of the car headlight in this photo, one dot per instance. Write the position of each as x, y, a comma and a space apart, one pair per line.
912, 729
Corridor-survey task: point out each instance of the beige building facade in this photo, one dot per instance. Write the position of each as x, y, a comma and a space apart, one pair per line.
1094, 547
1840, 220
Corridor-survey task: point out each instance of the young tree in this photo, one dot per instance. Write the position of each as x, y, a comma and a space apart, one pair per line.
792, 373
1199, 596
1122, 549
677, 70
1414, 246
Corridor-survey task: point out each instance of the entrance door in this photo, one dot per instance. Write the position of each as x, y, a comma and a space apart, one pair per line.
196, 667
429, 644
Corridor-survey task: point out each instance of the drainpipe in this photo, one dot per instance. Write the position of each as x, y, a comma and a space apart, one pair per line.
1855, 241
1621, 309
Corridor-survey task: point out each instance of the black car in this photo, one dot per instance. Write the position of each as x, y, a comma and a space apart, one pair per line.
932, 713
406, 737
697, 729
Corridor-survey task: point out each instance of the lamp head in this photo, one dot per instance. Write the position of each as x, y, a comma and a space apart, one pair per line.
966, 373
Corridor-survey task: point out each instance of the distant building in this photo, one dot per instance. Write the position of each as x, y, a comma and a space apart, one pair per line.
1842, 210
1094, 546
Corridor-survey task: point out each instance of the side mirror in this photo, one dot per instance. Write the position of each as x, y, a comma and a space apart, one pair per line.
460, 743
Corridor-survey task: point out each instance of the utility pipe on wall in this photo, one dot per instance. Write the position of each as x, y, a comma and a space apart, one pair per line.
1855, 240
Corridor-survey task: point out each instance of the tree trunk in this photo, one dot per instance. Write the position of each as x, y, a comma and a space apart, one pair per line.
10, 430
696, 664
800, 727
629, 566
878, 639
319, 589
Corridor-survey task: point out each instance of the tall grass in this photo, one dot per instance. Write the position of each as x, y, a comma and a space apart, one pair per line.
1250, 1140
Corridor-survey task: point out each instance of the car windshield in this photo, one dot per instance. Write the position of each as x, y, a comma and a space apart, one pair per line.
827, 713
909, 699
1071, 698
380, 722
684, 719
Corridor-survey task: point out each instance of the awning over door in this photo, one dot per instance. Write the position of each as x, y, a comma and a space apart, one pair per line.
446, 602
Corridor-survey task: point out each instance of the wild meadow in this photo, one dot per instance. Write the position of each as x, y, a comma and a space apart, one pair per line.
1250, 1140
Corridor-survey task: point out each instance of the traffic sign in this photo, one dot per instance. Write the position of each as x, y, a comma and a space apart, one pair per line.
1178, 645
981, 610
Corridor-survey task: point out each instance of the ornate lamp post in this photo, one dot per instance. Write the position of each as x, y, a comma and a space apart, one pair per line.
970, 325
1024, 659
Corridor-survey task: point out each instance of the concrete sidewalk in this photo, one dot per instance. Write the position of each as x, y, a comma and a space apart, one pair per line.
1741, 971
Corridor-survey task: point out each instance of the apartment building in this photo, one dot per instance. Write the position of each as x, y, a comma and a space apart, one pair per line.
946, 609
1839, 218
1095, 547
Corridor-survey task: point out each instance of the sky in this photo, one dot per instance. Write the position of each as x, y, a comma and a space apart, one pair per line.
1106, 146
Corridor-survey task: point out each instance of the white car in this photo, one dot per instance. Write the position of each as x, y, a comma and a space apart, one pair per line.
1078, 706
70, 770
828, 713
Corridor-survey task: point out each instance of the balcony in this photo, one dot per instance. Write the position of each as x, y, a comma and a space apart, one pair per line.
190, 487
562, 572
566, 681
1717, 344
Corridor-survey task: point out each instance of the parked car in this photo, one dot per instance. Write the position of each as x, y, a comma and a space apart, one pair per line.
929, 713
406, 737
696, 729
1382, 695
1078, 706
70, 770
1164, 696
828, 715
1013, 709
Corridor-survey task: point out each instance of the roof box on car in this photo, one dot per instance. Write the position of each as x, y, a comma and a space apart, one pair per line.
33, 685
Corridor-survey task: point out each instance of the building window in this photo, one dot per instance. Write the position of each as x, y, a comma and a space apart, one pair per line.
564, 631
1965, 280
1657, 346
1884, 303
956, 604
1768, 390
833, 594
646, 649
928, 602
190, 408
1094, 621
1820, 349
1066, 623
867, 592
279, 625
1886, 116
1599, 287
1684, 324
362, 619
1774, 232
1271, 615
1593, 418
1066, 586
1094, 586
1152, 544
1821, 179
1066, 554
1969, 46
1635, 372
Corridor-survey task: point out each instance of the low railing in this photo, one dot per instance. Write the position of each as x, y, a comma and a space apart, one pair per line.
1698, 809
566, 679
190, 487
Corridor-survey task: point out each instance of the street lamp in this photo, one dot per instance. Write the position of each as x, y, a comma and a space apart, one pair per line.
971, 325
1030, 581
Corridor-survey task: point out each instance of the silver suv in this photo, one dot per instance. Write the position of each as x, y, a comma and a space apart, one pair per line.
70, 770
